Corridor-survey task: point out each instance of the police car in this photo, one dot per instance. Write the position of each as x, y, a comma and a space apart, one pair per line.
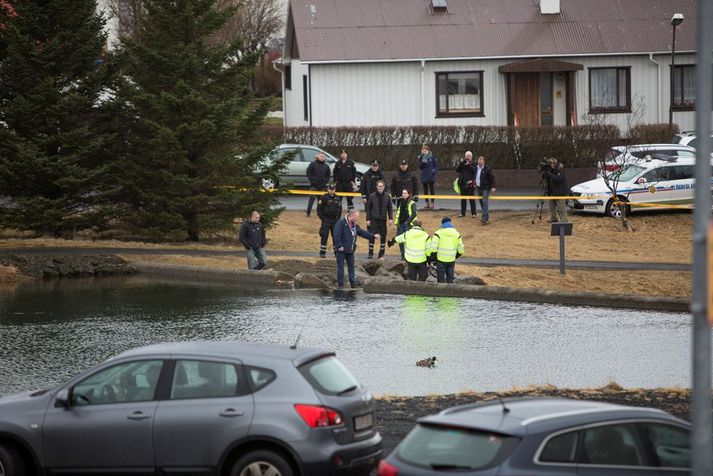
647, 184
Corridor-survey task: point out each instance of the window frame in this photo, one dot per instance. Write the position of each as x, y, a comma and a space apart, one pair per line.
617, 109
158, 391
447, 113
580, 428
288, 77
680, 68
242, 388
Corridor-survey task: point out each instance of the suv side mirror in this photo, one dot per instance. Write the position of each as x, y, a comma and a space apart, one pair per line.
62, 398
641, 180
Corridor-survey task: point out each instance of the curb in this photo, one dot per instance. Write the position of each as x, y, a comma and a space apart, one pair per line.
238, 277
500, 293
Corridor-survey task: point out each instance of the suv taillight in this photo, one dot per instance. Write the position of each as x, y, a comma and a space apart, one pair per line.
319, 417
386, 469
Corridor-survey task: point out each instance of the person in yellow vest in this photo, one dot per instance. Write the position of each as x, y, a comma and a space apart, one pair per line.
446, 245
406, 213
416, 243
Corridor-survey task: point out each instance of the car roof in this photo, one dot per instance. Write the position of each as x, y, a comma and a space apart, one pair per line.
230, 349
534, 414
643, 147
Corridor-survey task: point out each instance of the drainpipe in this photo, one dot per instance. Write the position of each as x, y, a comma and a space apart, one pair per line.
658, 86
423, 100
281, 70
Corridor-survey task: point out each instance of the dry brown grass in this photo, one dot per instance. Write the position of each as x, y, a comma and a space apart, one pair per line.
659, 237
10, 275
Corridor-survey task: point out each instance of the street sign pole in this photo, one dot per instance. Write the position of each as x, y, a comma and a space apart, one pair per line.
701, 440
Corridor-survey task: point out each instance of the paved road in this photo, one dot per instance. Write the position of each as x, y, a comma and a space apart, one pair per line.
490, 262
299, 202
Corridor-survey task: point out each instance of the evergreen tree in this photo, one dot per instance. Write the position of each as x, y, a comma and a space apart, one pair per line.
52, 151
192, 146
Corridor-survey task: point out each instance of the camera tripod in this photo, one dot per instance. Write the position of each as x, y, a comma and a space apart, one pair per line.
541, 204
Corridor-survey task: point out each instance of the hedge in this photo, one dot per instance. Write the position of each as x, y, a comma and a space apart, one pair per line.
503, 147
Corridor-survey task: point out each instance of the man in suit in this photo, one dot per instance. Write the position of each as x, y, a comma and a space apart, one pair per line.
345, 233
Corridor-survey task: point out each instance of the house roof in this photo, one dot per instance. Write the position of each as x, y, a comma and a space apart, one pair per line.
376, 30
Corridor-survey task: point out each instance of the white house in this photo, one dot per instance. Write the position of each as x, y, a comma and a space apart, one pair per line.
487, 62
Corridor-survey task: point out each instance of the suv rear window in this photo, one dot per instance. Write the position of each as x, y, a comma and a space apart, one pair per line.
329, 376
457, 449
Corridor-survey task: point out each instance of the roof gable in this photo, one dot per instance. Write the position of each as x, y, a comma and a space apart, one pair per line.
373, 30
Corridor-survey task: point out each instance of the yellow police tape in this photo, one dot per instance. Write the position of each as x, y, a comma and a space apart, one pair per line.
504, 198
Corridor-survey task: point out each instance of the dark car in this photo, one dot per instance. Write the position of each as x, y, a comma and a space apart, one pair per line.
543, 437
213, 408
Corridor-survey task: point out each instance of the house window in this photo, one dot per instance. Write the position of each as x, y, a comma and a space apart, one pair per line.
288, 77
459, 94
609, 90
684, 87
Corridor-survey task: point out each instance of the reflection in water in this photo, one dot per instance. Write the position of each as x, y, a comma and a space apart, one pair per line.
51, 330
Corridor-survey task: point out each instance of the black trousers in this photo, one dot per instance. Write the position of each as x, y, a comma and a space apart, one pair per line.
324, 231
417, 269
378, 226
429, 188
464, 192
346, 187
312, 198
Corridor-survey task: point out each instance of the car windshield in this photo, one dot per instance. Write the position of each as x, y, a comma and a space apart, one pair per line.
626, 173
444, 447
329, 376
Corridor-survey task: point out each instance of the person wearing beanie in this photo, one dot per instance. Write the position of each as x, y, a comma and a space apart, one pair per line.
446, 247
329, 210
416, 244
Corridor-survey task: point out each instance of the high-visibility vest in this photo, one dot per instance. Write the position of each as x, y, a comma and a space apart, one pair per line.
446, 243
401, 210
416, 244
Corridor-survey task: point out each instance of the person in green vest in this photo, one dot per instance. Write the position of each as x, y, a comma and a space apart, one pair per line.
416, 243
406, 214
446, 245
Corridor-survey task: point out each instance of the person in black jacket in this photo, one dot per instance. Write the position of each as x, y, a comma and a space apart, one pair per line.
329, 210
368, 181
404, 180
318, 174
466, 182
556, 187
344, 174
378, 210
484, 184
252, 237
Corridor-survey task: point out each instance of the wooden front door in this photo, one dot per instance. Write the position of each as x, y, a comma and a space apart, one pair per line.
526, 99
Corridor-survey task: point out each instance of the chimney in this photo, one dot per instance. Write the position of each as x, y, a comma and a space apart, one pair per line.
550, 7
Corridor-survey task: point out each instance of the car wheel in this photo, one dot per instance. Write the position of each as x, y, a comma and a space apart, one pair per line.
268, 183
11, 462
615, 211
261, 463
357, 182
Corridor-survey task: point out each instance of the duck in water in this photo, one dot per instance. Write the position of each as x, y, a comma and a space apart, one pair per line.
427, 362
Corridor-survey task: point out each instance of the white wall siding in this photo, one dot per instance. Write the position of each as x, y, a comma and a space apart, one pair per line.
392, 94
293, 103
366, 94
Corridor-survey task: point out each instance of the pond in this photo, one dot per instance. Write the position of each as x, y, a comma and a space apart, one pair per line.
51, 330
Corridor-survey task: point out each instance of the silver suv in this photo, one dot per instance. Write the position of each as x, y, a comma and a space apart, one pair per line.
214, 408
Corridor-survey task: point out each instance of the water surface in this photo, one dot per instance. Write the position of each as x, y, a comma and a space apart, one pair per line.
49, 331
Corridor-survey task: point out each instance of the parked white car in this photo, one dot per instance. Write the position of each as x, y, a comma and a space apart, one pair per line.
634, 153
653, 183
688, 138
296, 171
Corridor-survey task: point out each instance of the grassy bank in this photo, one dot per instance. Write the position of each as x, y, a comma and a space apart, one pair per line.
659, 237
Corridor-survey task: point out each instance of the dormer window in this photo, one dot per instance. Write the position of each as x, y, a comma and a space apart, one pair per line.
439, 6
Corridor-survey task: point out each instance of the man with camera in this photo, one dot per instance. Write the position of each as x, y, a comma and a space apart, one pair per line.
556, 186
